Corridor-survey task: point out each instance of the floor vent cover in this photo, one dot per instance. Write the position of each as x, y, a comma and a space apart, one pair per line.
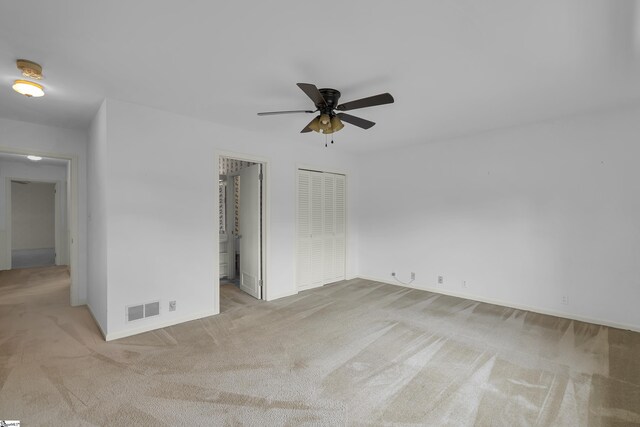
137, 312
152, 309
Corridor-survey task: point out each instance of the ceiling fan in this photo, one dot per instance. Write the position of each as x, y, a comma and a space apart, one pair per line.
326, 102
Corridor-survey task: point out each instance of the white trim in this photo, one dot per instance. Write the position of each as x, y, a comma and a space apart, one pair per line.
308, 287
164, 324
7, 225
73, 214
57, 232
283, 295
538, 310
296, 190
320, 169
266, 217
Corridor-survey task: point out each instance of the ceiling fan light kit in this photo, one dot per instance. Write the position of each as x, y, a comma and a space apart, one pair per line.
326, 102
28, 88
336, 124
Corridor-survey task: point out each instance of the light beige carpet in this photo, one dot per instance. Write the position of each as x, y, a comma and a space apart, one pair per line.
353, 353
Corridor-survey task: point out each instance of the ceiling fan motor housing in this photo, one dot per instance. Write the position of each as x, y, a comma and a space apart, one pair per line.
331, 97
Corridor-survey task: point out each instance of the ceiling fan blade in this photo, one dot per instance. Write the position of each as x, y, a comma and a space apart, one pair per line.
357, 121
383, 98
273, 113
313, 93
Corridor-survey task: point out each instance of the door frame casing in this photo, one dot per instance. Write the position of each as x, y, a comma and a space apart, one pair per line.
72, 220
266, 210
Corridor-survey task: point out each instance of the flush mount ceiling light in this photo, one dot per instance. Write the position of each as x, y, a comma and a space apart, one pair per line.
29, 69
34, 158
29, 89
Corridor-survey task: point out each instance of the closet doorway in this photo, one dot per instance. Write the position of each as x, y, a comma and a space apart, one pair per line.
321, 231
241, 227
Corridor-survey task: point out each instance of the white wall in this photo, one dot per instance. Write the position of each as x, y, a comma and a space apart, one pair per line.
17, 136
97, 218
524, 216
33, 216
31, 172
162, 176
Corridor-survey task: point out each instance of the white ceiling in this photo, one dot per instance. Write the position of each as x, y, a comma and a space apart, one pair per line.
454, 67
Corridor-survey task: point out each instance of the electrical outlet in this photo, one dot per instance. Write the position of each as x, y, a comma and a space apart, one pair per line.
464, 284
440, 280
172, 306
565, 300
393, 274
413, 276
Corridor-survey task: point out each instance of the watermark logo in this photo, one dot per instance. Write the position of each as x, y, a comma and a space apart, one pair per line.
10, 423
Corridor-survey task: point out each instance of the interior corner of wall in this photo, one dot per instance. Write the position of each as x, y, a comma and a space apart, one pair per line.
95, 319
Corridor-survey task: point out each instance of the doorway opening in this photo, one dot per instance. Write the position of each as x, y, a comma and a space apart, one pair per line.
321, 228
242, 196
33, 224
38, 221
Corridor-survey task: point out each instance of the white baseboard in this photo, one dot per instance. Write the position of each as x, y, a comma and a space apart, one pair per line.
79, 303
538, 310
283, 295
159, 325
104, 335
306, 288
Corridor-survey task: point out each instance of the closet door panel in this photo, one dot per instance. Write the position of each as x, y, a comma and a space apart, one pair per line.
317, 229
340, 257
340, 218
303, 227
329, 227
340, 205
329, 259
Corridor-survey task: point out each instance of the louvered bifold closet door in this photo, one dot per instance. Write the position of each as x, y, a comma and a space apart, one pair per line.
329, 227
340, 218
303, 226
317, 229
321, 229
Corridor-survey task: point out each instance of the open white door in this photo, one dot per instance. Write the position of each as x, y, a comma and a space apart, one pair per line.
250, 231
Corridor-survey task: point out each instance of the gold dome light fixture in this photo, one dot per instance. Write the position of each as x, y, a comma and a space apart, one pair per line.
26, 87
29, 69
